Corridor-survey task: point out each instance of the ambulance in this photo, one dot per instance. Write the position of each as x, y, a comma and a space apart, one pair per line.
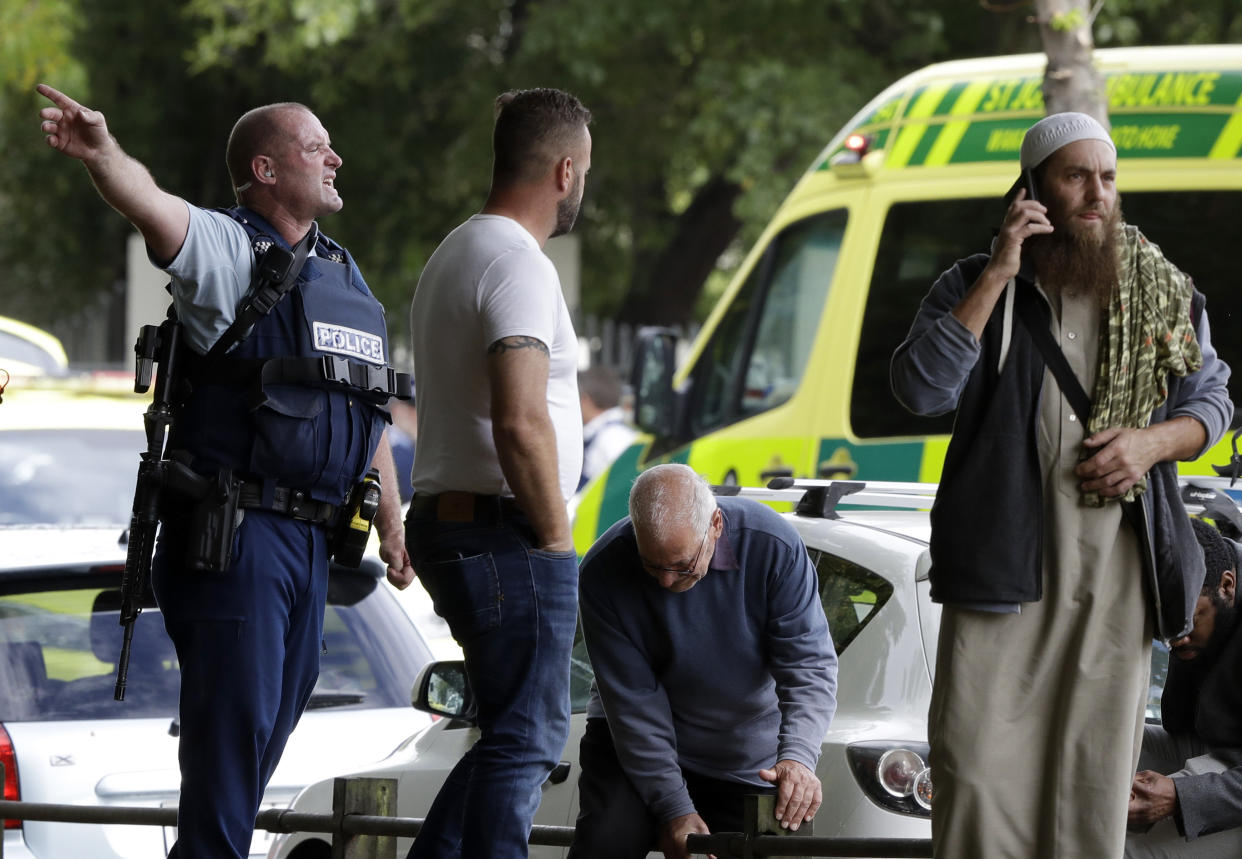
789, 374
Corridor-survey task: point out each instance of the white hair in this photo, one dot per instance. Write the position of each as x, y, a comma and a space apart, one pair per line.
666, 499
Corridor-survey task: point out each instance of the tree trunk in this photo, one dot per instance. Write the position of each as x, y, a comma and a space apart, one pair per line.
1071, 82
665, 288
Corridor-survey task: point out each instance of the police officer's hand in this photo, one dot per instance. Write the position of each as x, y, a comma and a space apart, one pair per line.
1120, 457
799, 793
1153, 797
1024, 219
393, 553
673, 835
77, 131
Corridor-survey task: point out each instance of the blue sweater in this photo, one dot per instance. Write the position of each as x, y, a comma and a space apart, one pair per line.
724, 679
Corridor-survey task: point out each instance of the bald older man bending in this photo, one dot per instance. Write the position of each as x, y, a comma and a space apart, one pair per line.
715, 671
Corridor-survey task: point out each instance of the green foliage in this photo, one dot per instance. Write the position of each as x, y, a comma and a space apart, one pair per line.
1068, 21
34, 44
1166, 22
688, 99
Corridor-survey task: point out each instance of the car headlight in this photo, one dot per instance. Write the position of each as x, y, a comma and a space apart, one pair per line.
893, 774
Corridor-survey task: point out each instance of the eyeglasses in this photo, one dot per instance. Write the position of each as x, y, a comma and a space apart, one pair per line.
684, 571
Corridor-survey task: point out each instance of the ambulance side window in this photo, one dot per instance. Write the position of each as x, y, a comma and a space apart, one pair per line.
919, 241
757, 355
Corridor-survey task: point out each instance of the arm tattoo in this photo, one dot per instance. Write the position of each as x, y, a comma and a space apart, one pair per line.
521, 341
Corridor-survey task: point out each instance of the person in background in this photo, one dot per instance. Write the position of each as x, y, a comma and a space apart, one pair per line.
605, 431
403, 437
1187, 796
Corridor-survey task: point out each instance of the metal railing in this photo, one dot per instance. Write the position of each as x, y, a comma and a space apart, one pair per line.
362, 824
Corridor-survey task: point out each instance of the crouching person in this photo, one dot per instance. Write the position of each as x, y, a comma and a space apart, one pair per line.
1187, 795
715, 672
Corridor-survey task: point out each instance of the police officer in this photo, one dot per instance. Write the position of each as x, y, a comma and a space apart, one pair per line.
248, 636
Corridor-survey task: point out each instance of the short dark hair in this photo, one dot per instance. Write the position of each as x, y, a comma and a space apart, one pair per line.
534, 129
253, 132
601, 385
1218, 554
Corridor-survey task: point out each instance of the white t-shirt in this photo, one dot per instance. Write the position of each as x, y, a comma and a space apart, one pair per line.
487, 280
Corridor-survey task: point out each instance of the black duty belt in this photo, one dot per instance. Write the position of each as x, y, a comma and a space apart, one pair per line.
288, 502
457, 506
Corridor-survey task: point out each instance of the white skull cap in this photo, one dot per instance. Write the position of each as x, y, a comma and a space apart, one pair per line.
1052, 132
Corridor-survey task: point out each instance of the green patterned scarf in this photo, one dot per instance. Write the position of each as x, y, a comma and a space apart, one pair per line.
1149, 335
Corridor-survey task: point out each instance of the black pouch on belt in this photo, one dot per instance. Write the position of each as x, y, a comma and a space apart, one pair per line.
212, 523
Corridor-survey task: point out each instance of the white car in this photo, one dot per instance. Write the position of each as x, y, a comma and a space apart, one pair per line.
872, 567
67, 473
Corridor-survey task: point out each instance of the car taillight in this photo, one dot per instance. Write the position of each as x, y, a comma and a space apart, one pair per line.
893, 774
9, 759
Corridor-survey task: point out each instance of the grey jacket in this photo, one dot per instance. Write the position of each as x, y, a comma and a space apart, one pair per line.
1208, 703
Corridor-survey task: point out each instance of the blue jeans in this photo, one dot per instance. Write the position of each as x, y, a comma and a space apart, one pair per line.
513, 610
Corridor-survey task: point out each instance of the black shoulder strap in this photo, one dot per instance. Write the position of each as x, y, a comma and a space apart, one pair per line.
275, 274
1028, 312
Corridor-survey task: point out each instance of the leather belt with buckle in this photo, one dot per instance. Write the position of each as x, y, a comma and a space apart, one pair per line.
458, 506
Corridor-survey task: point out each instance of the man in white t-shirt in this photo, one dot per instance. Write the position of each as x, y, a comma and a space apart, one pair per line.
499, 453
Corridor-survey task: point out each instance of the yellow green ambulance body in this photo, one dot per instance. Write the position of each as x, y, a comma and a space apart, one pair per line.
789, 375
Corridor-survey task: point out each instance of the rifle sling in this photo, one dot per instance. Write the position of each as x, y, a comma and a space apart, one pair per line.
263, 296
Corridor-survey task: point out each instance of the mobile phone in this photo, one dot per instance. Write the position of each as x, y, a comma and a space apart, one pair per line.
1030, 184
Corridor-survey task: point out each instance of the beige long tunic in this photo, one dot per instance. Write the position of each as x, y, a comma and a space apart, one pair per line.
1036, 717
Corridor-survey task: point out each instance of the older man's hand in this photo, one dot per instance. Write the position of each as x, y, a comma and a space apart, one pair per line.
1153, 797
799, 793
673, 835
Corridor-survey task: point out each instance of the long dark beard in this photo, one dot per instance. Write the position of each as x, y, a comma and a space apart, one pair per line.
1069, 260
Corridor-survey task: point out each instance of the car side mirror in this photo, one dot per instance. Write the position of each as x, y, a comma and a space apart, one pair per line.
442, 689
651, 376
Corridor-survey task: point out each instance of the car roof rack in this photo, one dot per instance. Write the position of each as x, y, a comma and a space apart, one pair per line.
1202, 495
819, 498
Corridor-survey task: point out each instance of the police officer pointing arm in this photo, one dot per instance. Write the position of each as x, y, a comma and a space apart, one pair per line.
290, 446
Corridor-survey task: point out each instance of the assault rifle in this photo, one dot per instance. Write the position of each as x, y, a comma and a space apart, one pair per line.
157, 344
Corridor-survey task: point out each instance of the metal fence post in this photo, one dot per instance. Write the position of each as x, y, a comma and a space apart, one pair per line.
760, 811
366, 796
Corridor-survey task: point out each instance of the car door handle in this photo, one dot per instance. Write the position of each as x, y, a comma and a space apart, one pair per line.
559, 773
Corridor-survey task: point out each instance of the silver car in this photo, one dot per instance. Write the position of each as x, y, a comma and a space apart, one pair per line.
872, 567
68, 461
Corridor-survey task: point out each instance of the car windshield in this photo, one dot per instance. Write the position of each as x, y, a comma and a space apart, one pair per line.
58, 652
68, 476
